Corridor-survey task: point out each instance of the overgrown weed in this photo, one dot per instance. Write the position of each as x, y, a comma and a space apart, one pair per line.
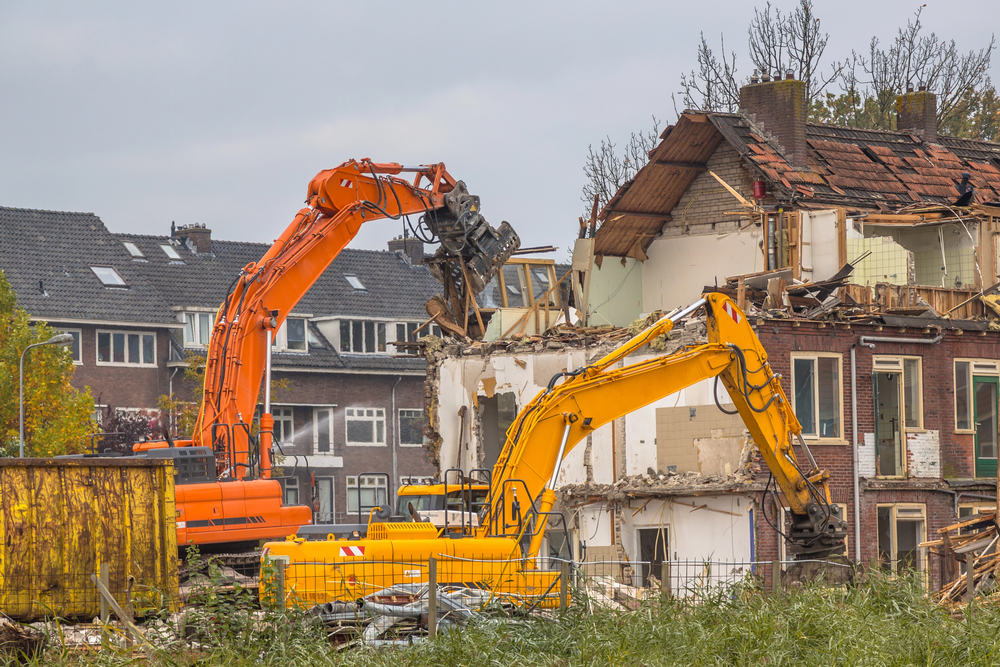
880, 621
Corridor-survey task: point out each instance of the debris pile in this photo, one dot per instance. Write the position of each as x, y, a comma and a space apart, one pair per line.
976, 536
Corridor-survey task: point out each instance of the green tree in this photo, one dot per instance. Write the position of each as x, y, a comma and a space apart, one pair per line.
57, 417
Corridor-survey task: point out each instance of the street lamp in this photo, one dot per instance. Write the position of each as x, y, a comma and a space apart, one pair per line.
63, 339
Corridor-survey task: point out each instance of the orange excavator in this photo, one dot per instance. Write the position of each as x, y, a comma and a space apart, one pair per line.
225, 493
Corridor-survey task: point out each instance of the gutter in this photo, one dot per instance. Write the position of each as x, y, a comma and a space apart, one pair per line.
890, 339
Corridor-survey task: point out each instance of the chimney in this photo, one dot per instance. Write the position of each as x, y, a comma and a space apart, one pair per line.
196, 237
779, 108
412, 249
916, 112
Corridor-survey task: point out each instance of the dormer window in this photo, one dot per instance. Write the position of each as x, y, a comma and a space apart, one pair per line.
133, 249
291, 336
354, 282
108, 276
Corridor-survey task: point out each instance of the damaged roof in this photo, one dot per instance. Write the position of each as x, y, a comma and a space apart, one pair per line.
875, 169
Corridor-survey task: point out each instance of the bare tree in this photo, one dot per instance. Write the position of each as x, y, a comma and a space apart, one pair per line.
607, 169
776, 43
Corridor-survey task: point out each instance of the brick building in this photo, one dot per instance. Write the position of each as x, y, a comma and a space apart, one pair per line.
140, 306
867, 279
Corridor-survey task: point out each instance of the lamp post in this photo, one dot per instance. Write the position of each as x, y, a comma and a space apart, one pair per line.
63, 339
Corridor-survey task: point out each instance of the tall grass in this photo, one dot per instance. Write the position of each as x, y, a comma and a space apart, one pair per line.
881, 621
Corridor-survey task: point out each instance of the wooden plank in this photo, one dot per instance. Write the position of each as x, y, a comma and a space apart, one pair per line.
691, 166
732, 191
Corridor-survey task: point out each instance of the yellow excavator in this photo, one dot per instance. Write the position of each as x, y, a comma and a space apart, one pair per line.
500, 553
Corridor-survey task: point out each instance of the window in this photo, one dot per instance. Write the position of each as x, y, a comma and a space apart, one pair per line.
291, 336
133, 249
898, 408
407, 332
411, 428
75, 350
108, 276
324, 494
322, 430
169, 251
362, 337
373, 493
284, 426
354, 282
901, 528
125, 347
968, 371
817, 396
291, 490
198, 329
365, 426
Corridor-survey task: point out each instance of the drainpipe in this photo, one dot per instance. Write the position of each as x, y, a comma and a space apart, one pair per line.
889, 339
395, 441
869, 342
855, 454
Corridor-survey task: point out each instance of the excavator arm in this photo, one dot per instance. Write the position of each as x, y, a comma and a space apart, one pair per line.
339, 201
587, 398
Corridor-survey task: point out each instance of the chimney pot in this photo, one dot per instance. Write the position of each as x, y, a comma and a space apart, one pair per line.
755, 77
909, 87
779, 108
922, 87
777, 76
765, 77
788, 75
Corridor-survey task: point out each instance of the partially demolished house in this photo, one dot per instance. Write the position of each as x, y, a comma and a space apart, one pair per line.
867, 262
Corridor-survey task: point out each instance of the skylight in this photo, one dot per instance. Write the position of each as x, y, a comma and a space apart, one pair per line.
355, 283
108, 276
171, 253
133, 249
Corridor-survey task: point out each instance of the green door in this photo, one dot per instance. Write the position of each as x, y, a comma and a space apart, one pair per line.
986, 390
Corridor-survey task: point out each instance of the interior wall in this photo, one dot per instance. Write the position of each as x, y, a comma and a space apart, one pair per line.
615, 292
679, 267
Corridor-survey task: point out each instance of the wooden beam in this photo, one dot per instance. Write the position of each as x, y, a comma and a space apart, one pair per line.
693, 166
732, 191
638, 214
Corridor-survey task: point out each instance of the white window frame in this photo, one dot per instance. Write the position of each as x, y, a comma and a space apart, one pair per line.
133, 250
351, 414
280, 341
95, 270
399, 426
280, 416
375, 324
127, 362
894, 520
983, 367
370, 481
815, 357
196, 316
78, 335
171, 252
884, 363
317, 411
326, 517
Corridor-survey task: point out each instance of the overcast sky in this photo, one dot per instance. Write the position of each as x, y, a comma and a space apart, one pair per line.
220, 113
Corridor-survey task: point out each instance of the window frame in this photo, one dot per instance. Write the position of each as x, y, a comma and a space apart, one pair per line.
329, 410
399, 426
279, 343
374, 419
902, 359
133, 250
352, 490
921, 552
78, 335
290, 417
380, 336
126, 333
840, 437
983, 367
330, 516
196, 316
119, 285
171, 252
290, 484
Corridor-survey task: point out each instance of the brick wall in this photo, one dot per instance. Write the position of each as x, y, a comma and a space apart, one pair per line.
701, 207
121, 386
956, 451
779, 108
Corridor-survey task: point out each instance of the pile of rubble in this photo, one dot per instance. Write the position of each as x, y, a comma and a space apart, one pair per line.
978, 537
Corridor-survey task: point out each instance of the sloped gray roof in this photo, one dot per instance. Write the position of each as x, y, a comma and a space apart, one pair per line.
47, 255
393, 288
